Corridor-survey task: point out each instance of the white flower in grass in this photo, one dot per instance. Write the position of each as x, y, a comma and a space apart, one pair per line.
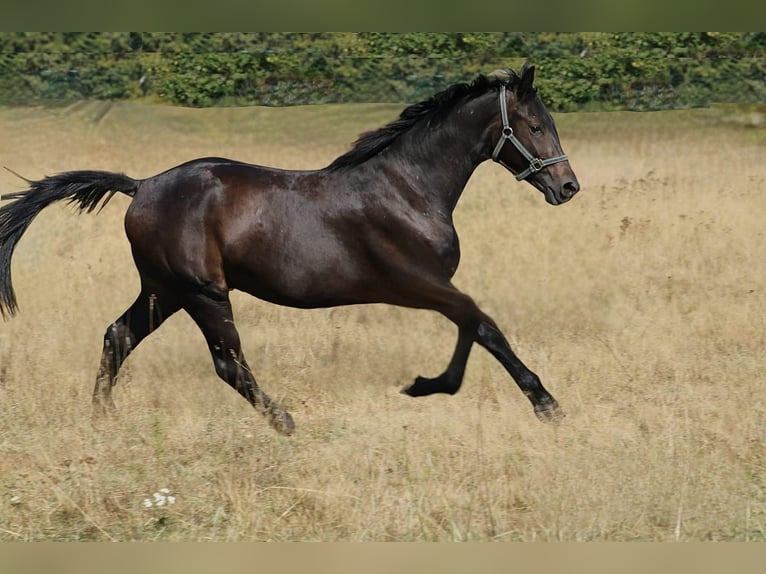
160, 498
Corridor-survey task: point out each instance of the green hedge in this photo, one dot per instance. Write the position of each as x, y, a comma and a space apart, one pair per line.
576, 70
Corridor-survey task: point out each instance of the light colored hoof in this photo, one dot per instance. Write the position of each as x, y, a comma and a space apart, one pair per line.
282, 422
550, 413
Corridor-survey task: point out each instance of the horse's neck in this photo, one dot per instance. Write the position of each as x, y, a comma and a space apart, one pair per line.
437, 161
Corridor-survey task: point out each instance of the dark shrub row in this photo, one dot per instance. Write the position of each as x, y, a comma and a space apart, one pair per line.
646, 70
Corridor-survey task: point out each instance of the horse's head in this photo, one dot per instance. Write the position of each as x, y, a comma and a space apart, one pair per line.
527, 141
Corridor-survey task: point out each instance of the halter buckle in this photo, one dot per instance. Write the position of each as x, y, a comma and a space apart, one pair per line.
536, 164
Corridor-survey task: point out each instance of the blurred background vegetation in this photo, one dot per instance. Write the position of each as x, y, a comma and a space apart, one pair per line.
576, 71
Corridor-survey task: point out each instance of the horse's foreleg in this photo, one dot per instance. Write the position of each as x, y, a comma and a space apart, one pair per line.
461, 310
121, 337
545, 406
475, 326
452, 378
215, 319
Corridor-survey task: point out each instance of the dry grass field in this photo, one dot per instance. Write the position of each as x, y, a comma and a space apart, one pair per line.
641, 304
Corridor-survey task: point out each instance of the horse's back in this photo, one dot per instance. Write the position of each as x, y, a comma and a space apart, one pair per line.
192, 189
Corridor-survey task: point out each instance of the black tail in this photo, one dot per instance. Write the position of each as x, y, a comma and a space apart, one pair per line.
86, 189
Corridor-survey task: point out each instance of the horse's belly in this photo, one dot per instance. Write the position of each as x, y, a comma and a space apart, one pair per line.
306, 279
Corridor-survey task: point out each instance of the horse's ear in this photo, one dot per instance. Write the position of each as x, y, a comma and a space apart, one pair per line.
527, 79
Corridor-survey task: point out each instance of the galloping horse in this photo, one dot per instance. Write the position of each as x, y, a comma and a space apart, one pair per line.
374, 226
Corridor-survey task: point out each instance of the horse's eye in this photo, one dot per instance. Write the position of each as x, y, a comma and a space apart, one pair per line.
536, 129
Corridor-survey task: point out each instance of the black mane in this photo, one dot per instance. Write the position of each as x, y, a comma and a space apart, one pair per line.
373, 142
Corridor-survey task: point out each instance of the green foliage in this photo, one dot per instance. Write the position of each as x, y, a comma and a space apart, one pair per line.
646, 70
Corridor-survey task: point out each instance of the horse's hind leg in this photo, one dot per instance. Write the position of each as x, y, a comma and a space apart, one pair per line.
146, 314
213, 315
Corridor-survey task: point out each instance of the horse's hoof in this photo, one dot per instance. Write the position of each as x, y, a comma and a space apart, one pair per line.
412, 390
423, 387
550, 413
282, 422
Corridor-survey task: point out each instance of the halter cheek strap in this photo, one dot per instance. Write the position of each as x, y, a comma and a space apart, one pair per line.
535, 163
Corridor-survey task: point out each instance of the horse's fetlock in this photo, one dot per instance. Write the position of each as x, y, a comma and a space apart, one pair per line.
530, 382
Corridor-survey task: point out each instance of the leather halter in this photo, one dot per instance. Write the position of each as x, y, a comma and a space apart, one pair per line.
535, 163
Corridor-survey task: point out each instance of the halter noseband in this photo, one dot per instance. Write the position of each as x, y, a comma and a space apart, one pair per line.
535, 163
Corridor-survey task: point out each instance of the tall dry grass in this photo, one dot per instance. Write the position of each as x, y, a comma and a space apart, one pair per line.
640, 304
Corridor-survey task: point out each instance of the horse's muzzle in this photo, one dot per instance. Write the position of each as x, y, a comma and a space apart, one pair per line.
557, 189
561, 194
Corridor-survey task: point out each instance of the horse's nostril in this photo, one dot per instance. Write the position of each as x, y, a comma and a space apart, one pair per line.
570, 188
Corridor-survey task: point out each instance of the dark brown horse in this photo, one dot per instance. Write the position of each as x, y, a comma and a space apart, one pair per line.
375, 226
